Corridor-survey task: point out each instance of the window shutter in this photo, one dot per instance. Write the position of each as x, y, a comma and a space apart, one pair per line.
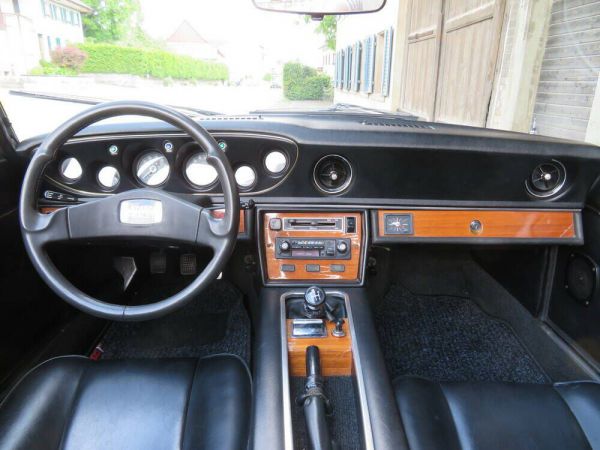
336, 70
387, 62
357, 57
369, 64
348, 68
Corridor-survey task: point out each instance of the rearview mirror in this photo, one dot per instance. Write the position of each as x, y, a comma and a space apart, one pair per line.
319, 8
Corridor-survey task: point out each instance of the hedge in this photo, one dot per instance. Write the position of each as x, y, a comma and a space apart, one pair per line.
109, 58
301, 82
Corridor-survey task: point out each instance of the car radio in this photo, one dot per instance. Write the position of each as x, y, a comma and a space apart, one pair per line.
312, 248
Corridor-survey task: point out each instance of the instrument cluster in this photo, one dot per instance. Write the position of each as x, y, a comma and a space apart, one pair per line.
109, 164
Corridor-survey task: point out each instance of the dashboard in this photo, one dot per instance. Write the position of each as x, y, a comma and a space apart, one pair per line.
396, 181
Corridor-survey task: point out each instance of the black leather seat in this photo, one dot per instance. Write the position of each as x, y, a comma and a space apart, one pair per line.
499, 415
76, 403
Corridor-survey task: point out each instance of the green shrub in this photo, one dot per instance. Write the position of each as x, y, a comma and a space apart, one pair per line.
301, 82
47, 68
109, 58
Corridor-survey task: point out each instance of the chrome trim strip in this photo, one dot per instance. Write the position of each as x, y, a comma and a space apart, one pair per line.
288, 430
360, 383
242, 193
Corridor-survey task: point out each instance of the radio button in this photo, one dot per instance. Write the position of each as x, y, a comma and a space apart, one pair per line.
338, 268
284, 246
288, 268
275, 224
313, 268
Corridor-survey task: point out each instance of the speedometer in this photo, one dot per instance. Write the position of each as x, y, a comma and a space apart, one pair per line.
152, 169
199, 172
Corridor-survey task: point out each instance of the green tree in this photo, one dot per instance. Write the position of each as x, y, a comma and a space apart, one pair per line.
112, 20
328, 28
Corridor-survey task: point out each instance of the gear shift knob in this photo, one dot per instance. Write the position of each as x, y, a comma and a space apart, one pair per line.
314, 302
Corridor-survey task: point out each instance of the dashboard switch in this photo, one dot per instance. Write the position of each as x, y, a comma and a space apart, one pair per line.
275, 224
350, 224
284, 246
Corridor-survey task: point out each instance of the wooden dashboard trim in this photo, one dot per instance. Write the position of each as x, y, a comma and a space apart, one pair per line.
335, 352
496, 224
274, 272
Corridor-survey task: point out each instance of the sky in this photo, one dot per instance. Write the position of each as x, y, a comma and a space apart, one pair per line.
238, 28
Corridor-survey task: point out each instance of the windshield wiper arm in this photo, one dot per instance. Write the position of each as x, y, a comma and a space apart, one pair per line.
96, 101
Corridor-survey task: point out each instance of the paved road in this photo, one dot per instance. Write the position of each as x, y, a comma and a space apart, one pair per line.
32, 116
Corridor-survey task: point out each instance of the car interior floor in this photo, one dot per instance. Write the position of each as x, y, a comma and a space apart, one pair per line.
213, 323
445, 318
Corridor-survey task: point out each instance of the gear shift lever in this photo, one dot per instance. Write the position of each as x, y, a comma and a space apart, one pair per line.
314, 302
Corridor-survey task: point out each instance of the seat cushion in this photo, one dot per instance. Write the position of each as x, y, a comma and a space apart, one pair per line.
499, 415
76, 403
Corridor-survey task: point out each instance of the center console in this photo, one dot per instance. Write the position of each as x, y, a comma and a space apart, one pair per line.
313, 246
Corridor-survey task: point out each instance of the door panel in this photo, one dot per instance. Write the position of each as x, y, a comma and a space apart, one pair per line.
422, 58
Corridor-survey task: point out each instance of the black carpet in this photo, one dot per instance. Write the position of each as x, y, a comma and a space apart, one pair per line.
449, 338
215, 322
343, 424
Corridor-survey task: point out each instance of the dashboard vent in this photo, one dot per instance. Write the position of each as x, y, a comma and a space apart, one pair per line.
232, 118
396, 123
332, 174
547, 179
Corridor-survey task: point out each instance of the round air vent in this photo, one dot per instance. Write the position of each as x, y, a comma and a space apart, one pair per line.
546, 179
332, 174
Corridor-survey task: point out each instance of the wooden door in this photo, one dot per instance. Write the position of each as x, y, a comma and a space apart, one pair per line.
420, 76
469, 49
451, 59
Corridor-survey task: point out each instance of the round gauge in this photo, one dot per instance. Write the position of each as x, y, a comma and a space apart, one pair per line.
109, 177
152, 169
245, 176
199, 172
276, 162
70, 169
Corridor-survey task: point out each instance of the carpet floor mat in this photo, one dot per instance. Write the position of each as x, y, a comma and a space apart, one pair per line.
215, 322
343, 424
448, 338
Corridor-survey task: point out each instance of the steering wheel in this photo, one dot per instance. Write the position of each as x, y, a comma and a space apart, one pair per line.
135, 214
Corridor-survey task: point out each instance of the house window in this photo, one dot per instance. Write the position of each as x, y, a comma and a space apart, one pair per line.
53, 11
63, 14
49, 43
76, 20
16, 7
57, 42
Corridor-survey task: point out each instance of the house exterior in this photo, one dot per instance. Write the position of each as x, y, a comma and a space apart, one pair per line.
523, 65
186, 40
31, 29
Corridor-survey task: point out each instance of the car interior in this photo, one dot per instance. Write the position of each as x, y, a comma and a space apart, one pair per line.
297, 280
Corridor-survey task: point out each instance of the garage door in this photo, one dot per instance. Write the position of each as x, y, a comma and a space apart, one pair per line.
570, 68
451, 58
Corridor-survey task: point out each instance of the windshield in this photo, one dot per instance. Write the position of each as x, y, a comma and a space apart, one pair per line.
516, 65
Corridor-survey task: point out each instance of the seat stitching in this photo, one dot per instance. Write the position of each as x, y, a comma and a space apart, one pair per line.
76, 394
187, 404
564, 400
458, 439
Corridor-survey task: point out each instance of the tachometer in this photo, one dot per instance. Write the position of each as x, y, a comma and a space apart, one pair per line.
109, 177
152, 169
199, 172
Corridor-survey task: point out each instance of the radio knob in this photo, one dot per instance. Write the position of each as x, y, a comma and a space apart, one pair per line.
284, 246
342, 247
